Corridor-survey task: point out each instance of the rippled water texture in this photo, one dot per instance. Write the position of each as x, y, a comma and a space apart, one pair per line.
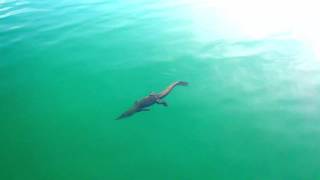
69, 68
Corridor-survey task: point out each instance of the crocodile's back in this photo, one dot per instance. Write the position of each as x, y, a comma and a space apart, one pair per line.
147, 101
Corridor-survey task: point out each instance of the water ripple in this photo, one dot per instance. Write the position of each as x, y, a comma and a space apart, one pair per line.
5, 9
16, 12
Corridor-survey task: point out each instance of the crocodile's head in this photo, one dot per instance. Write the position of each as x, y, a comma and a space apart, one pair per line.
128, 113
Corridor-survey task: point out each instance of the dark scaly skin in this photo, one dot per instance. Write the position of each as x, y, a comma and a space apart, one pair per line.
151, 100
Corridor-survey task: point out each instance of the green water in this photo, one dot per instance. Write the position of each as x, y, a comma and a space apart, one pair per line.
69, 68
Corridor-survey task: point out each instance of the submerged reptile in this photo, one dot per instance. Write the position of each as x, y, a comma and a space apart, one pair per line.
153, 98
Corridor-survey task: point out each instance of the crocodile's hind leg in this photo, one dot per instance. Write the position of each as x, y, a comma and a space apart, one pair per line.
162, 102
144, 109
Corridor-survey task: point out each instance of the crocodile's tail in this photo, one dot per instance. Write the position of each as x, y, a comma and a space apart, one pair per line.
182, 83
170, 88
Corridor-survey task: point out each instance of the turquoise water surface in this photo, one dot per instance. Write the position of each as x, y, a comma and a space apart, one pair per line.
69, 68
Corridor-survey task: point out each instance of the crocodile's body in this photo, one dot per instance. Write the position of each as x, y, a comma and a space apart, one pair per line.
153, 98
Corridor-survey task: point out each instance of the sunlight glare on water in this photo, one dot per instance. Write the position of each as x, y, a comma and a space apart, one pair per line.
261, 19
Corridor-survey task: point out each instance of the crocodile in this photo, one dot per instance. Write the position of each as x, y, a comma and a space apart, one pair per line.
151, 99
